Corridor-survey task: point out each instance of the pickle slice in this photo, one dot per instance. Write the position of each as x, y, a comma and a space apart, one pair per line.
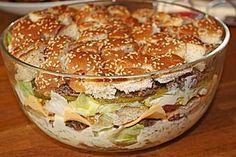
120, 100
70, 98
41, 96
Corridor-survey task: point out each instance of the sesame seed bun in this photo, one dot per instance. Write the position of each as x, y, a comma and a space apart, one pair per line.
110, 40
142, 33
167, 61
188, 29
26, 48
112, 55
132, 71
118, 11
55, 54
93, 35
45, 83
143, 15
159, 37
63, 9
21, 34
164, 19
131, 22
209, 31
76, 85
92, 25
119, 33
127, 45
89, 46
25, 31
88, 62
70, 30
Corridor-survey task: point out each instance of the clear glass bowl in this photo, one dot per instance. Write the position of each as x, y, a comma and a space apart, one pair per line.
194, 96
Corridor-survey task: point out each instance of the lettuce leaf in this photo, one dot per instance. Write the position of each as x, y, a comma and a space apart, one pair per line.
160, 92
127, 136
8, 38
107, 108
104, 124
57, 104
180, 100
85, 105
26, 88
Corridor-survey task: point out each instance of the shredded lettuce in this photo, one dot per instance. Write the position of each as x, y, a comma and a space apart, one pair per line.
109, 108
26, 88
57, 104
104, 124
160, 92
180, 100
127, 136
203, 83
8, 38
85, 105
134, 104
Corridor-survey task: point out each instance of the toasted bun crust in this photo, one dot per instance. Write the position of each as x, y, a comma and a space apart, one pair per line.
26, 32
209, 31
118, 11
164, 19
143, 15
142, 33
56, 53
127, 45
167, 61
45, 83
88, 62
112, 40
93, 35
63, 9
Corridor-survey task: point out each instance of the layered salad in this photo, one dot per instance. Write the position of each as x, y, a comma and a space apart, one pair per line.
95, 81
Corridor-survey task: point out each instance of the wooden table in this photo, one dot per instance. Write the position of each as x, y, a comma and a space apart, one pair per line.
213, 136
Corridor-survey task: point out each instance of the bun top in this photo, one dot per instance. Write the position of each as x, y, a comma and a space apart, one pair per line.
110, 40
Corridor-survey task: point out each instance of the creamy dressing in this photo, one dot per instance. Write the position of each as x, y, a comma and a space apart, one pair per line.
160, 132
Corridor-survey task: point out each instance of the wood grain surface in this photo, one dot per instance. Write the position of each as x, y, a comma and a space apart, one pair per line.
213, 136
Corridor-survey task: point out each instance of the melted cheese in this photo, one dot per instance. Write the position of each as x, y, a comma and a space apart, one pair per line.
70, 115
155, 112
34, 103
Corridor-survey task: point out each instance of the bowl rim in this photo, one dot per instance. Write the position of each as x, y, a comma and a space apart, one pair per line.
153, 73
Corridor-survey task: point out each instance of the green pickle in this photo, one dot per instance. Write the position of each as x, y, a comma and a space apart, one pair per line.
70, 98
41, 96
159, 93
120, 100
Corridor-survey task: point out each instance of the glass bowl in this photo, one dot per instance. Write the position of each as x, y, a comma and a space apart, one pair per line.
181, 97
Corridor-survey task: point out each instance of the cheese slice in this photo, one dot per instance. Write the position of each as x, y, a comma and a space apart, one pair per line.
35, 104
155, 112
69, 114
